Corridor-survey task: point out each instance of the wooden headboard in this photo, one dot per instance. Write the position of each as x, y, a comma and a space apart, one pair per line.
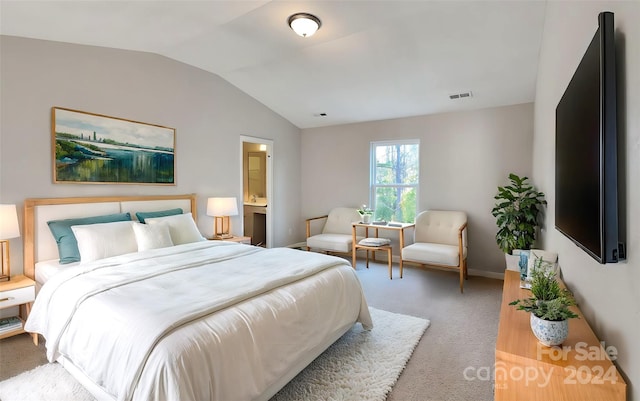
38, 241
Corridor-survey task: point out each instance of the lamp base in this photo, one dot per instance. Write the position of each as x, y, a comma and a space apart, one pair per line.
5, 264
222, 227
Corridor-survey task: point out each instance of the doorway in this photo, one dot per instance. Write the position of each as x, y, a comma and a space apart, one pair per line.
257, 190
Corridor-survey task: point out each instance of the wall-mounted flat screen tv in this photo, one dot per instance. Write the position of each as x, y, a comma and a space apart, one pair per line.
586, 204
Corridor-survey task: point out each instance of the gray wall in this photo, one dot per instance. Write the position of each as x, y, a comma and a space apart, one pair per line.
464, 156
608, 294
209, 115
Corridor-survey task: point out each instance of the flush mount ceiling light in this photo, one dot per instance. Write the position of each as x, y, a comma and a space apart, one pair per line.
304, 24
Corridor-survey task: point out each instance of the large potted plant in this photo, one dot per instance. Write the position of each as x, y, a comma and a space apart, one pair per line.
549, 305
518, 214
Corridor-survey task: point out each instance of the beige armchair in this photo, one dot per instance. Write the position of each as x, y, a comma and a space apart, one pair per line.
336, 235
440, 239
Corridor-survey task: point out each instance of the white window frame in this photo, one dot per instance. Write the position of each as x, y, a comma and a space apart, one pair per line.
372, 170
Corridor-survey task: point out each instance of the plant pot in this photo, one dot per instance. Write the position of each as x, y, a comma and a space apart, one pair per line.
512, 262
549, 333
366, 218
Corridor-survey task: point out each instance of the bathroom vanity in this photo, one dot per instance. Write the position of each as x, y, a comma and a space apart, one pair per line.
255, 192
255, 222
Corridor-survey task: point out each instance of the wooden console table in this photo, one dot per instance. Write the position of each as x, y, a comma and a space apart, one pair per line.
527, 370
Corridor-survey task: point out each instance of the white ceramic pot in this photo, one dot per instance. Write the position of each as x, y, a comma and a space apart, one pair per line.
512, 262
366, 218
549, 333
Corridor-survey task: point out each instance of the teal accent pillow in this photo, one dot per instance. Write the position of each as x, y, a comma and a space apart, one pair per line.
161, 213
67, 244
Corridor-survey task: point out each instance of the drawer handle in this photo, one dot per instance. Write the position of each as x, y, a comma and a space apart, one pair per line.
6, 299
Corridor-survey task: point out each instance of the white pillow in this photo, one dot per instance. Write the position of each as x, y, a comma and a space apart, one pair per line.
152, 236
103, 240
182, 228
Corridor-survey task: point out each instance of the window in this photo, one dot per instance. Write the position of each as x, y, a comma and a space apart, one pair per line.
394, 180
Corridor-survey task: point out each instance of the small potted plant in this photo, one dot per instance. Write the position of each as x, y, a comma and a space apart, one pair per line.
517, 212
549, 305
365, 213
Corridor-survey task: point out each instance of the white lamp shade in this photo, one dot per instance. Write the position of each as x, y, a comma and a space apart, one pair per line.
222, 207
9, 227
304, 24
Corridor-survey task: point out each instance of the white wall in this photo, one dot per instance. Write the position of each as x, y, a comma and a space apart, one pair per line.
464, 156
209, 115
608, 294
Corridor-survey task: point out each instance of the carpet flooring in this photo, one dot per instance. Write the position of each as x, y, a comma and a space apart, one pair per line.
361, 365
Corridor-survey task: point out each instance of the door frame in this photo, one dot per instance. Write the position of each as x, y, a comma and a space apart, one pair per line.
270, 197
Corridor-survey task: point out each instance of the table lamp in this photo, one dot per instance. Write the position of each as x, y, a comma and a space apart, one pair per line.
221, 209
9, 228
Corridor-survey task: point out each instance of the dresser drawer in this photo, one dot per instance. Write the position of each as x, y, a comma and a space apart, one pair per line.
17, 296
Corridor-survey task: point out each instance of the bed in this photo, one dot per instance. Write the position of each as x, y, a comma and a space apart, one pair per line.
197, 320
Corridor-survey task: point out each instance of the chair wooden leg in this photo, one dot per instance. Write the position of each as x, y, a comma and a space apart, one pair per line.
461, 278
401, 266
466, 275
390, 263
353, 257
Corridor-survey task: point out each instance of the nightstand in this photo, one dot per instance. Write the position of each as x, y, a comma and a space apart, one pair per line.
242, 240
20, 291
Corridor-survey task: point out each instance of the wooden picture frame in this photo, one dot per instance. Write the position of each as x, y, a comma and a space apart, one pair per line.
91, 148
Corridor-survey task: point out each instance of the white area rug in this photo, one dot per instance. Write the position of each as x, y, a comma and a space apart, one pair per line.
362, 365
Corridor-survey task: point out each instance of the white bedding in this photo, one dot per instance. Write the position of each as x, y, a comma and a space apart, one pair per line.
49, 268
201, 321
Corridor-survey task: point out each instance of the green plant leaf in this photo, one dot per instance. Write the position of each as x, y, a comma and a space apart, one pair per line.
517, 211
549, 301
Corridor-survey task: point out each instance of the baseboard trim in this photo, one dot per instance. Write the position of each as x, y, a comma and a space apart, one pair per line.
485, 273
471, 272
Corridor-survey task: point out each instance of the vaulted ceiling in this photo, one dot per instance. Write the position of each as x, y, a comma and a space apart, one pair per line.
370, 60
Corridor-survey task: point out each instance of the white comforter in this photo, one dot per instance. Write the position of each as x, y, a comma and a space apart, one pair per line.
202, 321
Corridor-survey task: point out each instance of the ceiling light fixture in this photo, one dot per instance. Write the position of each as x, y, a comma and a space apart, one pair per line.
304, 24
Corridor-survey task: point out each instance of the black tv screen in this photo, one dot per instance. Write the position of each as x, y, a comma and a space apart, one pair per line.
586, 205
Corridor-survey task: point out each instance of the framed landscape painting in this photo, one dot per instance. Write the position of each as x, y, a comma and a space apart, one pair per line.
91, 148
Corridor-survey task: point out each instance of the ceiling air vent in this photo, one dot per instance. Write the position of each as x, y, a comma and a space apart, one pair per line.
461, 95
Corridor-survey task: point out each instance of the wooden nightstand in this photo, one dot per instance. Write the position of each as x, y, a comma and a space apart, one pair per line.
242, 240
20, 291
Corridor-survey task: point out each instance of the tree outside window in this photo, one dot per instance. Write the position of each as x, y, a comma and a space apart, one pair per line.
394, 180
